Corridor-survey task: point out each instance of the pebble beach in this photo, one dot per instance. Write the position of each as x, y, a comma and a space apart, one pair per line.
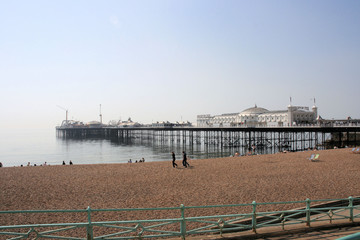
231, 180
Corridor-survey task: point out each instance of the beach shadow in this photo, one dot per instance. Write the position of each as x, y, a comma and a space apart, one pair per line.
316, 161
182, 167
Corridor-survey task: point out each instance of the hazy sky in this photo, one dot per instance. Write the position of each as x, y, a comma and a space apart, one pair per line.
172, 60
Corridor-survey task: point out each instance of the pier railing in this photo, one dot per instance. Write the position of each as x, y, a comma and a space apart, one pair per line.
185, 224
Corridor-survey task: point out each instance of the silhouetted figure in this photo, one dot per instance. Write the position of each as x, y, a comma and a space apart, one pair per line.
70, 162
64, 163
173, 161
185, 163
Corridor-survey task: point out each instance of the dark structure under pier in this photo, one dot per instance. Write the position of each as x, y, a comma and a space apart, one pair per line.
282, 138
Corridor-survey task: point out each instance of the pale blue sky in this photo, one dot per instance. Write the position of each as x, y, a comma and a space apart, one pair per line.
172, 60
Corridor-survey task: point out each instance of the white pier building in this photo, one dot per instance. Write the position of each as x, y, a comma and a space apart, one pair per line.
261, 117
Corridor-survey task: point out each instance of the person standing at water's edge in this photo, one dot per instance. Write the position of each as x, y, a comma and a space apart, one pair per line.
185, 163
173, 159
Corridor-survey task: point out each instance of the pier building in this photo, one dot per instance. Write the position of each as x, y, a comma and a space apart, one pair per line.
261, 117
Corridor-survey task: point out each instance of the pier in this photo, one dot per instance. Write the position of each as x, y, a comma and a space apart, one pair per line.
282, 138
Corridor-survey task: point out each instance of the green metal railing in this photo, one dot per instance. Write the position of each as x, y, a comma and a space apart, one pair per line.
329, 210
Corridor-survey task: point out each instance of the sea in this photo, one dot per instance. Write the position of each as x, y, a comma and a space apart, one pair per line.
39, 146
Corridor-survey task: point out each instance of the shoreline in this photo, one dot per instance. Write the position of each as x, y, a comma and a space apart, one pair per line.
179, 159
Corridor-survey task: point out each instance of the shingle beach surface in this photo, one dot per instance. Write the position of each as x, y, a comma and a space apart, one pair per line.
232, 180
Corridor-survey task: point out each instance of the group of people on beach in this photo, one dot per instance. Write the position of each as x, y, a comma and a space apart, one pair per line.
184, 161
44, 164
136, 161
70, 163
29, 164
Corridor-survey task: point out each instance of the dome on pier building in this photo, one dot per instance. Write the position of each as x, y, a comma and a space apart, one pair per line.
254, 111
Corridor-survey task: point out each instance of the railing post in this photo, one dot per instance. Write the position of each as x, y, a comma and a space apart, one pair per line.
308, 212
351, 208
183, 223
253, 224
89, 227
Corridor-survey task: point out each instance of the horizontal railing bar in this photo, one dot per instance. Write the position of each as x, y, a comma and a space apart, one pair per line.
136, 237
13, 233
134, 209
44, 211
44, 225
175, 220
330, 208
312, 210
216, 206
267, 214
247, 215
200, 232
279, 203
236, 219
76, 225
114, 226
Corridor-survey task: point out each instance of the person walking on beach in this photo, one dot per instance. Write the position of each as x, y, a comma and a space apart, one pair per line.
185, 163
173, 161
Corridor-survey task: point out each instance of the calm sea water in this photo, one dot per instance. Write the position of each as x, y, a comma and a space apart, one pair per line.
20, 146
